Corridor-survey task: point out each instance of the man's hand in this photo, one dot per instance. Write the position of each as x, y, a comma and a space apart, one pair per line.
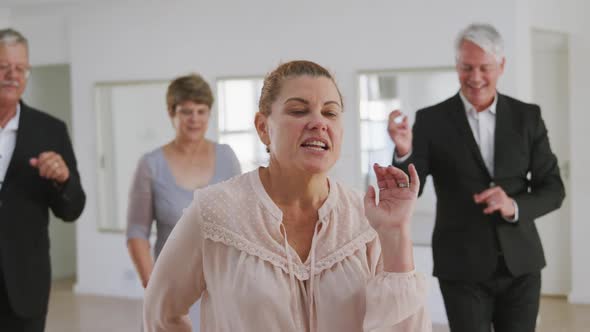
51, 166
400, 132
496, 200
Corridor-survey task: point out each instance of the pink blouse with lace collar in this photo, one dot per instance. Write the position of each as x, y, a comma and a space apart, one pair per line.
228, 250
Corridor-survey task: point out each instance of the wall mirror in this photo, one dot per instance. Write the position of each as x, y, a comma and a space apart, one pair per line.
131, 120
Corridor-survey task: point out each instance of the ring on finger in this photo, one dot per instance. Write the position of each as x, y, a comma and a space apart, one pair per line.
403, 185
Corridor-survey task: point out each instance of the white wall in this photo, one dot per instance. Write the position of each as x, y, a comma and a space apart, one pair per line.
551, 91
556, 14
570, 17
46, 28
5, 15
51, 44
580, 162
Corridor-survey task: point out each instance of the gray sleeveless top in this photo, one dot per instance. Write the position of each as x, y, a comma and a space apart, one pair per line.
155, 196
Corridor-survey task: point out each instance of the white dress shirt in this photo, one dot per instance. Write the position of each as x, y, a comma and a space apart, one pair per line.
483, 127
7, 143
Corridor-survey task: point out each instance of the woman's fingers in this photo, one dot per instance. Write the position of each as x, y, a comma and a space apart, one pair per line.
414, 178
398, 177
370, 198
392, 177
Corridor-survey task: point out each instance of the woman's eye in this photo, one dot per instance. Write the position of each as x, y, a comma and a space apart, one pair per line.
331, 114
297, 111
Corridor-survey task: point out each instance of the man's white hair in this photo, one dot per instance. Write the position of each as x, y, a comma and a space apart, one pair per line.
483, 35
10, 37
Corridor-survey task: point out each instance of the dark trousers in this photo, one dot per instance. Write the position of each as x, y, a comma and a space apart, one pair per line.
9, 320
508, 303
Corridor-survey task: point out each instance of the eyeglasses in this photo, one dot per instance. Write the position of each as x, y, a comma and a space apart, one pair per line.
187, 113
21, 70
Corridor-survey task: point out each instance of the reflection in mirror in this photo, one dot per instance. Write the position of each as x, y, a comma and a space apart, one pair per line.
238, 102
408, 91
131, 120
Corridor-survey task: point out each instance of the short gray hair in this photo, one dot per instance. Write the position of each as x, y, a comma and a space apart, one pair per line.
10, 36
483, 35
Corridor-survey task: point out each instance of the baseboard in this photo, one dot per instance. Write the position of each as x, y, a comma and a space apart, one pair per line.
79, 290
578, 298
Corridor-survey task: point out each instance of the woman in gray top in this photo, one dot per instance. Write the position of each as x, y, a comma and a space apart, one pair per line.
166, 177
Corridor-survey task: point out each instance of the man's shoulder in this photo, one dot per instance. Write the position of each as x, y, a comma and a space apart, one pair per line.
440, 107
39, 117
523, 110
516, 103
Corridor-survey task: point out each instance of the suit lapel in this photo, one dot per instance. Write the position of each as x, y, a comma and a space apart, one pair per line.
506, 138
459, 119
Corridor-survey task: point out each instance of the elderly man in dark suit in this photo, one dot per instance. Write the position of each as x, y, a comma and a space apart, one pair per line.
37, 173
494, 173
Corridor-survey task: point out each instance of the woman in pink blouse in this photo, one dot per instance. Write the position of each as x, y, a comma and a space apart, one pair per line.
286, 248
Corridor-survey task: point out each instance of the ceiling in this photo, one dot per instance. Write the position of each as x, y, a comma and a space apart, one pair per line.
23, 4
10, 3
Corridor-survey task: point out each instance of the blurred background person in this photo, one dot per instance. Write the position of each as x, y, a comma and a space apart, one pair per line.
37, 172
166, 177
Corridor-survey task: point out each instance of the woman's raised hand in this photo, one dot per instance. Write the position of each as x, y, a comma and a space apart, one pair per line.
397, 198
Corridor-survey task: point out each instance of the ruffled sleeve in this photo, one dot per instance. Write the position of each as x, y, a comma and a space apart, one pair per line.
395, 301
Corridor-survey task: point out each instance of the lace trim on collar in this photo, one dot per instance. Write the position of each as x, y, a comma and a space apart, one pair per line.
217, 233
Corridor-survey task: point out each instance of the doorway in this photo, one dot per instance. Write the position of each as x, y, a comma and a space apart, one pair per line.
551, 92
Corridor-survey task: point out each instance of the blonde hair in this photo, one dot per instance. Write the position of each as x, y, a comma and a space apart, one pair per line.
273, 82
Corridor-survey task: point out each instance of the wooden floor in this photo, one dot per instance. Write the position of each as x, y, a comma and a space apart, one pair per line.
75, 313
72, 313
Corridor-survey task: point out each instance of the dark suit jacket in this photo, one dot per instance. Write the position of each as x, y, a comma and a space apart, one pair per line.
25, 199
465, 242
